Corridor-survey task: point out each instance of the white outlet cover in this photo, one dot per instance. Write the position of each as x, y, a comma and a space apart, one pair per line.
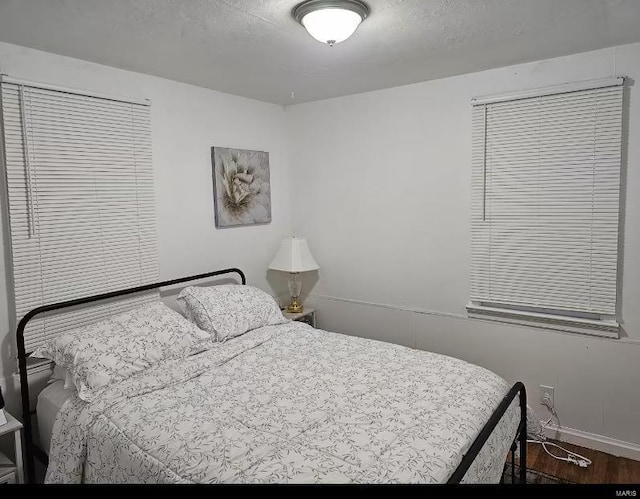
547, 390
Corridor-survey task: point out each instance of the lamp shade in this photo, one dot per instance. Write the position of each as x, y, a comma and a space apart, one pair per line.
294, 256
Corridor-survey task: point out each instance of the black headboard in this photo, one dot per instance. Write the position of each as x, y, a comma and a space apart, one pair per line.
30, 447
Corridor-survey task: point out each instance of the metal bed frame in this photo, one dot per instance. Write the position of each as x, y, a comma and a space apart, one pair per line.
32, 450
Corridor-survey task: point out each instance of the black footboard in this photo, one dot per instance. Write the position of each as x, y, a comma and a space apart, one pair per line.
521, 434
31, 449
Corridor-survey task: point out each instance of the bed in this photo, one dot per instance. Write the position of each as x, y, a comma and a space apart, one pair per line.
48, 405
282, 403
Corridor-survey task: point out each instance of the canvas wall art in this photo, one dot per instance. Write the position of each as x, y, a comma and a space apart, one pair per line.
241, 188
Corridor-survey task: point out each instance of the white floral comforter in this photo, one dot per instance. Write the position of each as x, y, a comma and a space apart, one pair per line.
286, 404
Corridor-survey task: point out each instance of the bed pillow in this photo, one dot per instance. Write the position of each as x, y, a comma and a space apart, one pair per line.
63, 374
116, 348
229, 310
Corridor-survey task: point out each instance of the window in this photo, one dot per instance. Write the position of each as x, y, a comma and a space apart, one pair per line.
544, 209
81, 203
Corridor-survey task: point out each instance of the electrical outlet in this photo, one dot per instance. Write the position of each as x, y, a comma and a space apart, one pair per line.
546, 392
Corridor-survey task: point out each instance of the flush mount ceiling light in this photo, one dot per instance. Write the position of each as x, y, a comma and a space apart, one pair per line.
330, 21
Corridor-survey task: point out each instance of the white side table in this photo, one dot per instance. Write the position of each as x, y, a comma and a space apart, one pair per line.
11, 472
308, 316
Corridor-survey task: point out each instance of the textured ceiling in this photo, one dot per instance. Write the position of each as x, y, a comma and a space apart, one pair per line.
255, 49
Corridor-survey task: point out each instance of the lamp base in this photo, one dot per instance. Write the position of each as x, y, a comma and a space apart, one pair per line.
295, 307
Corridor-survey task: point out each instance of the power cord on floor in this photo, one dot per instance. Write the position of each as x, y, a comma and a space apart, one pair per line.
572, 457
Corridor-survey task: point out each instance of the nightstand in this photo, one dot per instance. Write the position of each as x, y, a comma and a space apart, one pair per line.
10, 472
308, 316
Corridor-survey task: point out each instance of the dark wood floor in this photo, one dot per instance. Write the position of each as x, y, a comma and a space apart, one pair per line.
605, 468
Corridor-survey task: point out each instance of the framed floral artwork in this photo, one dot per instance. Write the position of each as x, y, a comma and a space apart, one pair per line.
241, 187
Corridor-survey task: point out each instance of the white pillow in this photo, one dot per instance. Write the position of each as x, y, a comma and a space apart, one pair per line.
62, 373
229, 310
116, 348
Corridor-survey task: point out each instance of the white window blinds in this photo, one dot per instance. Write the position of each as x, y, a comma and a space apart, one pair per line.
545, 201
81, 202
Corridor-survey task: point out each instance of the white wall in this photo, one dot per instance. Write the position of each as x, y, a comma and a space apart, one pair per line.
382, 194
186, 122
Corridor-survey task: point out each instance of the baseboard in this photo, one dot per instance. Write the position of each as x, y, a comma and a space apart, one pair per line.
593, 441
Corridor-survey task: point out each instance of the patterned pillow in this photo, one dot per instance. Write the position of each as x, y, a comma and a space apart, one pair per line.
63, 374
230, 310
116, 348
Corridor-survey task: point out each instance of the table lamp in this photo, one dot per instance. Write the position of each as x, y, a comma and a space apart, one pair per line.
294, 257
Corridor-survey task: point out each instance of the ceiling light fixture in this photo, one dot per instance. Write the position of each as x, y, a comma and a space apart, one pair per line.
330, 21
